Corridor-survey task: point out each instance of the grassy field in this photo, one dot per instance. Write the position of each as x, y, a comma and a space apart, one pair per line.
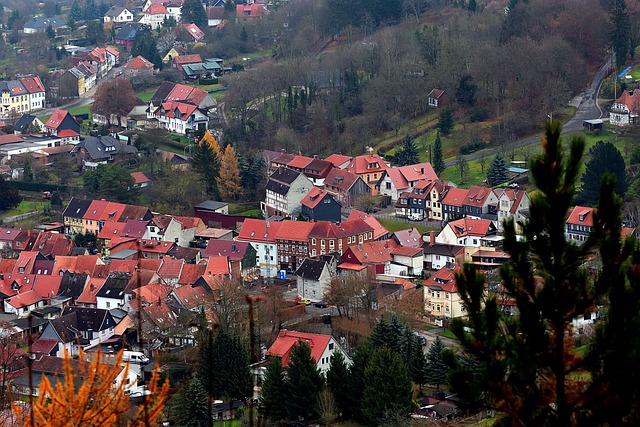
24, 207
394, 226
146, 95
448, 334
227, 423
85, 109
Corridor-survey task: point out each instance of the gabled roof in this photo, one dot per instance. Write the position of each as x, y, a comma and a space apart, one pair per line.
8, 234
187, 59
215, 12
477, 195
407, 251
287, 339
280, 181
443, 279
455, 197
115, 11
299, 162
631, 100
314, 197
72, 284
311, 269
139, 63
192, 297
193, 30
234, 250
409, 237
88, 296
128, 31
170, 268
436, 93
23, 299
32, 83
329, 230
471, 227
341, 179
369, 163
57, 118
96, 209
338, 160
76, 208
114, 285
378, 229
139, 178
369, 253
255, 230
156, 9
442, 249
294, 230
25, 120
190, 273
581, 215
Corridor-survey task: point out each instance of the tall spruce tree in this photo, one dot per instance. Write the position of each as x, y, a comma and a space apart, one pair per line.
445, 123
357, 377
414, 358
408, 153
526, 365
387, 386
498, 171
604, 158
338, 383
302, 374
620, 34
436, 369
231, 377
10, 195
438, 161
206, 163
75, 12
191, 408
273, 398
193, 11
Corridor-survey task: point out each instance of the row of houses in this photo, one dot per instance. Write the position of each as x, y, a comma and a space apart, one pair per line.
22, 95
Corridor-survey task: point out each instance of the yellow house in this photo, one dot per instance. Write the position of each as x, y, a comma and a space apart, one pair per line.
370, 167
15, 99
173, 53
442, 302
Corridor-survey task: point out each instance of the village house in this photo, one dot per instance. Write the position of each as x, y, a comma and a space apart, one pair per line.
467, 232
396, 180
339, 161
292, 239
512, 204
370, 167
436, 98
126, 35
285, 190
96, 150
139, 67
312, 167
345, 186
318, 205
579, 224
452, 203
313, 278
262, 236
442, 301
61, 120
377, 255
242, 256
327, 237
154, 16
626, 109
481, 203
118, 14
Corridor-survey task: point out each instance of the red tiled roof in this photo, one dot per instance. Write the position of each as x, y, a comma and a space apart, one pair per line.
139, 63
23, 299
329, 230
47, 285
193, 31
8, 234
470, 227
455, 197
287, 339
7, 265
156, 9
314, 197
338, 159
67, 133
217, 265
149, 264
192, 297
134, 228
187, 59
442, 279
294, 230
369, 163
341, 179
88, 295
378, 229
56, 119
190, 273
170, 268
139, 178
477, 195
110, 230
255, 230
234, 250
406, 251
43, 346
299, 162
581, 215
123, 265
185, 109
96, 209
32, 84
351, 266
369, 253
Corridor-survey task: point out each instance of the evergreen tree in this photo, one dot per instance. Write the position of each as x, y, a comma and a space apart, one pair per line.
51, 33
436, 369
206, 163
604, 158
526, 364
620, 35
414, 358
466, 91
75, 12
252, 172
382, 334
192, 407
356, 377
387, 386
408, 153
438, 161
27, 170
10, 195
228, 181
302, 374
445, 123
145, 45
193, 12
338, 383
498, 172
273, 398
91, 10
230, 361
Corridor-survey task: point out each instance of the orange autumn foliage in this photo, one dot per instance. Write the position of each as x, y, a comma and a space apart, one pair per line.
90, 395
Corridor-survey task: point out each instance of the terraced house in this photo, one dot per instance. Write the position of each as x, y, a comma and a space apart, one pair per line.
22, 95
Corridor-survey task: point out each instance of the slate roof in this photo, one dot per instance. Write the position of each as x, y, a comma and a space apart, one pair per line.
76, 208
42, 23
115, 11
128, 31
280, 181
103, 147
311, 269
14, 87
211, 205
114, 286
72, 284
25, 120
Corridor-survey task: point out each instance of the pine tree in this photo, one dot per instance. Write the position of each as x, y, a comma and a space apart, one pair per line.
302, 374
230, 361
387, 386
273, 398
382, 334
193, 11
414, 358
75, 12
528, 370
498, 172
445, 123
356, 377
206, 163
338, 383
604, 158
620, 35
408, 153
228, 181
10, 195
91, 10
438, 161
194, 410
436, 369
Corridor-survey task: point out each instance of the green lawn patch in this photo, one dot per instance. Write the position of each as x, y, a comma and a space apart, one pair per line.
85, 109
448, 334
24, 207
393, 226
253, 213
227, 423
146, 95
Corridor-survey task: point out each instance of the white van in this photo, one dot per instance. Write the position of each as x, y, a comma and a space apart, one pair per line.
135, 357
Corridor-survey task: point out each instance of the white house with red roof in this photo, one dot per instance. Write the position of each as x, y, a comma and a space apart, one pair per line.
181, 117
374, 254
154, 16
262, 236
467, 232
512, 203
339, 161
322, 347
396, 179
36, 90
579, 225
452, 203
140, 180
626, 109
370, 167
61, 120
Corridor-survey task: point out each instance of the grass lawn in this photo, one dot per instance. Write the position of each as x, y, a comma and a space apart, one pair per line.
24, 207
146, 95
240, 59
448, 334
241, 208
394, 226
484, 423
80, 110
253, 213
227, 423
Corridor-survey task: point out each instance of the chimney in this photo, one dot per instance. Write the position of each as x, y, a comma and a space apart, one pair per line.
432, 238
315, 156
422, 171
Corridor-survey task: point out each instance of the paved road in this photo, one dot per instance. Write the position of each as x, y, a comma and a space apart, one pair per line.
587, 109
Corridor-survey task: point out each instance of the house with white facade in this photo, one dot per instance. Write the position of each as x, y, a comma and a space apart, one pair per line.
626, 109
262, 236
154, 16
466, 232
118, 15
396, 180
313, 279
512, 203
284, 192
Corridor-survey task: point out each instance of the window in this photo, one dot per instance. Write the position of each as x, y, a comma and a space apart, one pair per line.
360, 239
313, 241
388, 186
331, 244
108, 304
322, 243
446, 295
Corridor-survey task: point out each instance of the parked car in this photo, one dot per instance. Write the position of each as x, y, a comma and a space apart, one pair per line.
320, 304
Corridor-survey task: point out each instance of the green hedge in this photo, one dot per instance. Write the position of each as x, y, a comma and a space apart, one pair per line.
39, 186
208, 81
